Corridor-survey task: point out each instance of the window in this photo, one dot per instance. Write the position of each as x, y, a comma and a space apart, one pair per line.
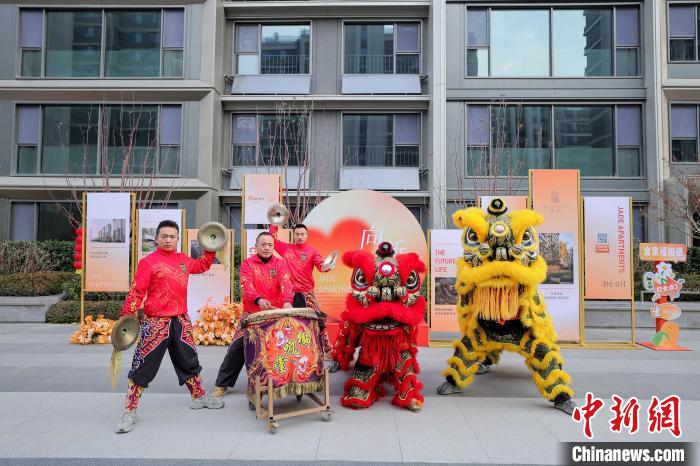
639, 223
376, 48
270, 140
684, 133
137, 43
272, 49
682, 32
559, 42
94, 139
42, 221
508, 140
381, 140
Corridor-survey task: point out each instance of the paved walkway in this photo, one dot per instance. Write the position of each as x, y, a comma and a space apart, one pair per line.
57, 403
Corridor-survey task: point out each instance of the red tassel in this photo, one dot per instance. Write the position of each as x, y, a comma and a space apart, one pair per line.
382, 350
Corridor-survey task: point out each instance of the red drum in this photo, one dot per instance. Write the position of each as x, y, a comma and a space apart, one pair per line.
283, 344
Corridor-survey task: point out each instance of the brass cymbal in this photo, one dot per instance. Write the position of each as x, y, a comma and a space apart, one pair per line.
125, 332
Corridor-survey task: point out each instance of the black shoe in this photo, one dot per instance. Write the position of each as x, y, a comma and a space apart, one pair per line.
567, 406
448, 388
483, 369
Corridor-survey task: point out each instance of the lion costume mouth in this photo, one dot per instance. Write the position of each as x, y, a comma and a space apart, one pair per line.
383, 325
498, 299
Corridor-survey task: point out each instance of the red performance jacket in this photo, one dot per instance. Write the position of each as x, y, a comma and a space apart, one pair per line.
301, 260
268, 281
161, 277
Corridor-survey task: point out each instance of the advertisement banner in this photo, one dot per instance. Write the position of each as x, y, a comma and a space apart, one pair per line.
555, 195
445, 249
358, 219
259, 192
513, 202
146, 231
213, 285
108, 225
607, 247
657, 252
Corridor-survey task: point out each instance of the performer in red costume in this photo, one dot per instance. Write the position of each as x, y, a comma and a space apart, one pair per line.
301, 258
382, 317
161, 278
265, 285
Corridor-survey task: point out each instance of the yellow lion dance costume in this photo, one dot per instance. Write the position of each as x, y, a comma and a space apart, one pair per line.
499, 306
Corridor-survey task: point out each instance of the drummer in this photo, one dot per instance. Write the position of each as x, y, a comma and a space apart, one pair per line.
301, 258
265, 285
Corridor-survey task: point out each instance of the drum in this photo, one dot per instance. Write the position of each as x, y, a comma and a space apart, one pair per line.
283, 344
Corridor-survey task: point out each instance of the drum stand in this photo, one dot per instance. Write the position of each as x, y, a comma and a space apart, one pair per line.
324, 407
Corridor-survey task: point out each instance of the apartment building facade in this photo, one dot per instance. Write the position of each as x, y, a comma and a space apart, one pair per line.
431, 102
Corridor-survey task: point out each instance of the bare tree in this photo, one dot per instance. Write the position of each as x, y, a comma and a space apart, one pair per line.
677, 206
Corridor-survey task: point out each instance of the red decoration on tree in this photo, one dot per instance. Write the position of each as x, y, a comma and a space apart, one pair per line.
78, 250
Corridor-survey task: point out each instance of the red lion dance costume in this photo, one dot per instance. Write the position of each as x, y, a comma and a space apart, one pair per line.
383, 312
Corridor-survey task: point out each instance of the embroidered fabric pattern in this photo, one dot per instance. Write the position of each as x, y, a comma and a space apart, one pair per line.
133, 395
194, 385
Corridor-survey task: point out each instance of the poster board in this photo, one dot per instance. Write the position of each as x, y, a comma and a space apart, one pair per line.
147, 222
445, 249
259, 192
608, 248
556, 195
216, 284
107, 233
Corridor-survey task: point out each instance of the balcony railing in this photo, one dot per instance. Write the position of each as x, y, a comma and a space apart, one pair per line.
284, 64
369, 64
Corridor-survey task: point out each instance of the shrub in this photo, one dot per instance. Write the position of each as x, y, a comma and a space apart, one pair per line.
68, 312
59, 254
35, 256
71, 292
34, 284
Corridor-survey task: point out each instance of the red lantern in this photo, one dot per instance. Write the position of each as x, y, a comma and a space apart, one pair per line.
78, 250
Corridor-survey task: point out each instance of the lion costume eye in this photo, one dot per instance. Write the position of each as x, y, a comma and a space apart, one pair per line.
471, 238
528, 238
412, 281
359, 279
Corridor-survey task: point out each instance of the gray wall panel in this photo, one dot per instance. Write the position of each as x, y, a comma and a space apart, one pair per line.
7, 125
325, 61
9, 18
190, 148
193, 38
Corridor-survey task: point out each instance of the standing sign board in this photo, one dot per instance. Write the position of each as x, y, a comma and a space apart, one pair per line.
214, 285
107, 241
445, 248
148, 220
259, 192
555, 194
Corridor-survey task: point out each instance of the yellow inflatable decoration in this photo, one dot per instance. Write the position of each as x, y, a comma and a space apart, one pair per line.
499, 307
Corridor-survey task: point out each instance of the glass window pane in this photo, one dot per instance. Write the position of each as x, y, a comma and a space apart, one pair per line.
172, 63
244, 130
173, 28
22, 219
407, 129
582, 42
477, 62
28, 124
682, 50
247, 64
407, 37
477, 163
681, 21
285, 49
169, 160
368, 140
170, 124
477, 30
32, 28
133, 43
132, 141
627, 27
584, 139
282, 140
369, 48
628, 162
73, 43
247, 38
520, 43
407, 64
26, 160
629, 125
684, 123
31, 63
520, 139
627, 62
684, 150
244, 156
478, 126
53, 221
69, 139
639, 224
407, 156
